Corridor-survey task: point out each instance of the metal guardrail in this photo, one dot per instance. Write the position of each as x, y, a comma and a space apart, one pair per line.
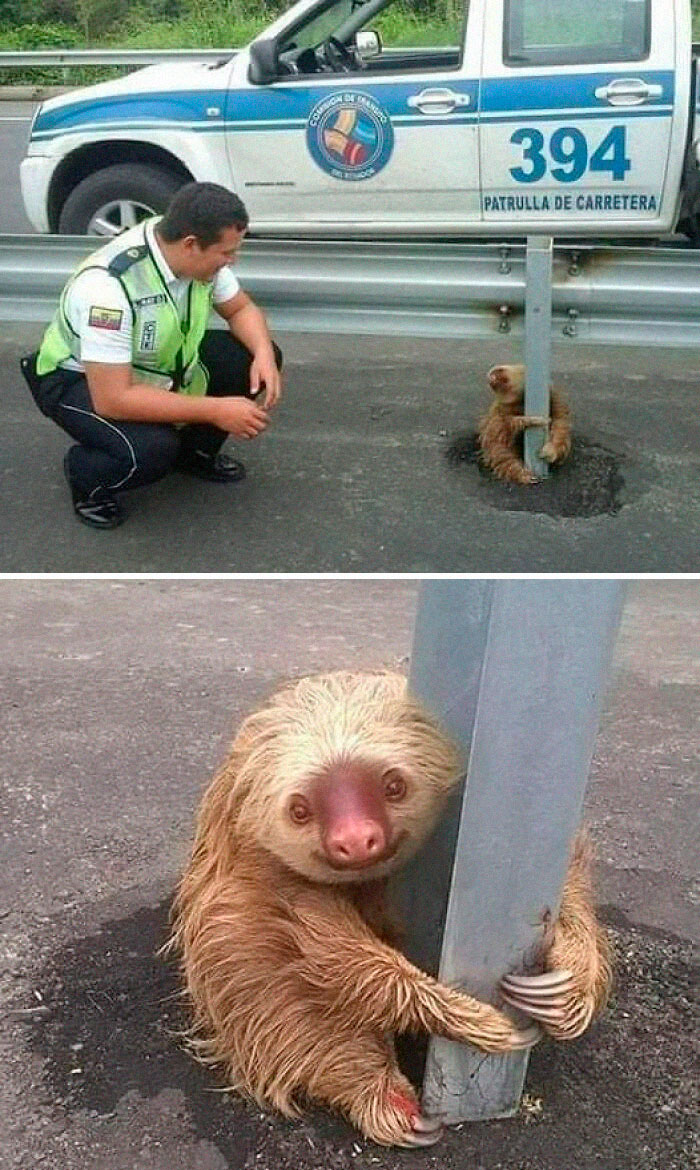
69, 57
636, 296
28, 58
65, 58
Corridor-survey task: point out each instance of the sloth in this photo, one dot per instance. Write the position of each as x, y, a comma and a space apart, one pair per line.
280, 921
500, 430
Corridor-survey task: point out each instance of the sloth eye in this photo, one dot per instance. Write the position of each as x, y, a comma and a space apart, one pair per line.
299, 810
394, 785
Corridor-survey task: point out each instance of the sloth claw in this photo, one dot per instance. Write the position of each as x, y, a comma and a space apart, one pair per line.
426, 1130
539, 986
542, 997
547, 1015
422, 1139
548, 998
422, 1130
525, 1037
427, 1124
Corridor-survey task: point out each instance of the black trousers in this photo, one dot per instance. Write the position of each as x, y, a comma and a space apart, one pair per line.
117, 454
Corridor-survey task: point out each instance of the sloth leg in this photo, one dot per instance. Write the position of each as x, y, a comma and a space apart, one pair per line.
558, 445
496, 442
361, 1079
307, 1051
578, 973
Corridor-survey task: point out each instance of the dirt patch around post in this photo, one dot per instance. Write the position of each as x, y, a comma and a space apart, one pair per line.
622, 1096
589, 483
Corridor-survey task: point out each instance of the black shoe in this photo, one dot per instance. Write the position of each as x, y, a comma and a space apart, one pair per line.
218, 468
99, 510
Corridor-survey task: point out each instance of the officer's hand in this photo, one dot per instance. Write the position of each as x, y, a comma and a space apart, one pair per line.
264, 372
239, 416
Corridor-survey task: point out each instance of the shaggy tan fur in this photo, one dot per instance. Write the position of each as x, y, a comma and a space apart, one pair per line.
501, 428
288, 963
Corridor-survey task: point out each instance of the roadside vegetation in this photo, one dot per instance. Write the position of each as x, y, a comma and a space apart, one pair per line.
187, 24
179, 24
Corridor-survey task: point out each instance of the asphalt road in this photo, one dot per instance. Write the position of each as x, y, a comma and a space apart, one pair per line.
353, 476
118, 700
15, 118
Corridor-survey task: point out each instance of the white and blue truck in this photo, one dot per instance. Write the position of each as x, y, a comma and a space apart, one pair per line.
562, 117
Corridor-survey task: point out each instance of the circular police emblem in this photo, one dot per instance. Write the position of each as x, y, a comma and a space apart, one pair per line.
350, 136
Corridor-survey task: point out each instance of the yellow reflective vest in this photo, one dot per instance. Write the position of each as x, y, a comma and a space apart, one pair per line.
164, 349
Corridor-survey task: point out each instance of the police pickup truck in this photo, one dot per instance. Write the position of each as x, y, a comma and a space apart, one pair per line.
566, 117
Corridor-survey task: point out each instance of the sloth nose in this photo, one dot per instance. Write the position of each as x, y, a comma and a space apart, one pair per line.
352, 842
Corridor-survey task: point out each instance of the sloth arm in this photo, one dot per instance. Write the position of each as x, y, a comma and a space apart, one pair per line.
375, 985
496, 437
519, 422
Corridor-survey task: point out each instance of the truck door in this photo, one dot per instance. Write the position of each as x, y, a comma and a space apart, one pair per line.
584, 114
387, 143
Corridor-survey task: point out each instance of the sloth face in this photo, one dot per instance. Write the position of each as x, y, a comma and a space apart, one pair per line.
345, 776
353, 821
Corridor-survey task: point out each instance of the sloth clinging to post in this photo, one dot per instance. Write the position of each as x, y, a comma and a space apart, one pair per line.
501, 429
280, 920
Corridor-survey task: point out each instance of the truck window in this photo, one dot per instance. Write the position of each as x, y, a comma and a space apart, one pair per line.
411, 39
440, 23
324, 21
564, 32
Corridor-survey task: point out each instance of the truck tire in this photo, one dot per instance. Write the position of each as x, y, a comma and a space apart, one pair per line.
117, 197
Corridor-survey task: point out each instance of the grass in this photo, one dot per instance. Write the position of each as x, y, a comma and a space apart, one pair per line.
400, 27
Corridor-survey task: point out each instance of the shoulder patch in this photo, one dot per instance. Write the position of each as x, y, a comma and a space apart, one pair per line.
103, 318
123, 260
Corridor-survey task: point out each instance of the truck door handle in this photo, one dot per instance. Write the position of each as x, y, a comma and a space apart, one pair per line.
628, 91
438, 101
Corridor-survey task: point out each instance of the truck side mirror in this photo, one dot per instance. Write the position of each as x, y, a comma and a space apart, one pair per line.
368, 43
264, 64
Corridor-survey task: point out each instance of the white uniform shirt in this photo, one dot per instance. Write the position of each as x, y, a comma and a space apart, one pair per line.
110, 341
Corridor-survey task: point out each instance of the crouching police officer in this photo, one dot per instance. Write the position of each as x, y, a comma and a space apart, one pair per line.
131, 327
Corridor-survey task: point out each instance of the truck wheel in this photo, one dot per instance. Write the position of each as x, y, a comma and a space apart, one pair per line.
117, 197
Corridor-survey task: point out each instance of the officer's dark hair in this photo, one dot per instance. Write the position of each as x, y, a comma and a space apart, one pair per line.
202, 210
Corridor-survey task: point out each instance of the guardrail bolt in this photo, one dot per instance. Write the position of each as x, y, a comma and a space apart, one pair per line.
574, 266
504, 323
571, 327
504, 266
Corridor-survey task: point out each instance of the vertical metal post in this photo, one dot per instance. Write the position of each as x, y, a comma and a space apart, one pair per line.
538, 346
515, 671
449, 644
